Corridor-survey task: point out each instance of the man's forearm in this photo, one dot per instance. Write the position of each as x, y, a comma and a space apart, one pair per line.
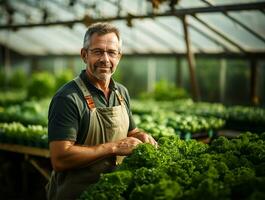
65, 155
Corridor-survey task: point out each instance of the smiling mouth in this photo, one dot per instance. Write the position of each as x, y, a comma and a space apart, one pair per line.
104, 69
103, 66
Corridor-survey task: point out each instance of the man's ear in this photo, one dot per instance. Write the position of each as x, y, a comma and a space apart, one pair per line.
83, 55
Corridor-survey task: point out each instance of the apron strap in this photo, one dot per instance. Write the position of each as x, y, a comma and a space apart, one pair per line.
86, 93
90, 102
120, 97
88, 96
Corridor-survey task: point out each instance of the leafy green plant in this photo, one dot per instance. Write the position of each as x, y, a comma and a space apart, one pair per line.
18, 79
29, 112
188, 170
115, 183
165, 91
4, 81
11, 97
31, 135
42, 85
63, 78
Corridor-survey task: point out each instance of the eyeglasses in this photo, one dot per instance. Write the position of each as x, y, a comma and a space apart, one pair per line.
100, 53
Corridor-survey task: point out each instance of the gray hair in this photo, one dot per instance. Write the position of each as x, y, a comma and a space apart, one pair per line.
101, 28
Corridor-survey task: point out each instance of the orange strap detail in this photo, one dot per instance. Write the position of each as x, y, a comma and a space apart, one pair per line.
90, 102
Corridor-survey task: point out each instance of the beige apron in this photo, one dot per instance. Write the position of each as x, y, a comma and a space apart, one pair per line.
105, 125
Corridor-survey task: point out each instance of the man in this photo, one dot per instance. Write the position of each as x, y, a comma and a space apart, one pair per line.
90, 122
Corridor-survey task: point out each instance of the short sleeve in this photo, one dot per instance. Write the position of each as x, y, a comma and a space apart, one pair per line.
62, 119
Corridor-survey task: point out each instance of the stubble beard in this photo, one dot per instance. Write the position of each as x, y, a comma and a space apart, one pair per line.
102, 74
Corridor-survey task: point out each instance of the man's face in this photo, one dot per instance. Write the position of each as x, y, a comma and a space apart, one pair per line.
102, 56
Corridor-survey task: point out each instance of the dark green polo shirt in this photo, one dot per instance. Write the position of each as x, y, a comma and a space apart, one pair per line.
68, 117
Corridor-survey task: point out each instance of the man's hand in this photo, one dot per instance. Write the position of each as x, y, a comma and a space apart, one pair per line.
144, 137
125, 146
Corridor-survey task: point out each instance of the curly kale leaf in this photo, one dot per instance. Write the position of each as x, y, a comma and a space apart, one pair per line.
221, 145
173, 148
109, 186
181, 172
208, 189
162, 190
146, 176
255, 152
244, 183
145, 155
195, 148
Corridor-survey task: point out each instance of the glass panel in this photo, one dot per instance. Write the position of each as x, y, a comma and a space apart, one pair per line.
131, 37
175, 25
232, 30
20, 44
202, 42
160, 35
222, 2
255, 20
191, 4
213, 35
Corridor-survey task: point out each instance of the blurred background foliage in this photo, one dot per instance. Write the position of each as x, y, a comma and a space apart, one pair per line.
160, 78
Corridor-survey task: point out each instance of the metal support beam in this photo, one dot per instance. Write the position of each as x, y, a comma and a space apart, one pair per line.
253, 82
44, 172
151, 74
178, 72
191, 62
222, 79
177, 12
227, 55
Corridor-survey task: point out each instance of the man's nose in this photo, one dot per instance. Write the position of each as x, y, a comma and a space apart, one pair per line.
104, 57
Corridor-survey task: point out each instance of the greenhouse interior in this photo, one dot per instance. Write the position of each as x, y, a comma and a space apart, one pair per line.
194, 71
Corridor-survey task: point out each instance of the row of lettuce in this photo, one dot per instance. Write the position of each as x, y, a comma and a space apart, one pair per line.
242, 118
184, 118
28, 113
185, 125
35, 111
188, 106
36, 135
30, 135
179, 169
19, 86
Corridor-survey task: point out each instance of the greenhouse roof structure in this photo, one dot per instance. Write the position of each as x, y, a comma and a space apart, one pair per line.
57, 27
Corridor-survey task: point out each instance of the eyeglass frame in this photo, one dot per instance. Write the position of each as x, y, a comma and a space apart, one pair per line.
101, 52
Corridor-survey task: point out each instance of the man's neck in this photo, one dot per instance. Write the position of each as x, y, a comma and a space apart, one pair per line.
100, 84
